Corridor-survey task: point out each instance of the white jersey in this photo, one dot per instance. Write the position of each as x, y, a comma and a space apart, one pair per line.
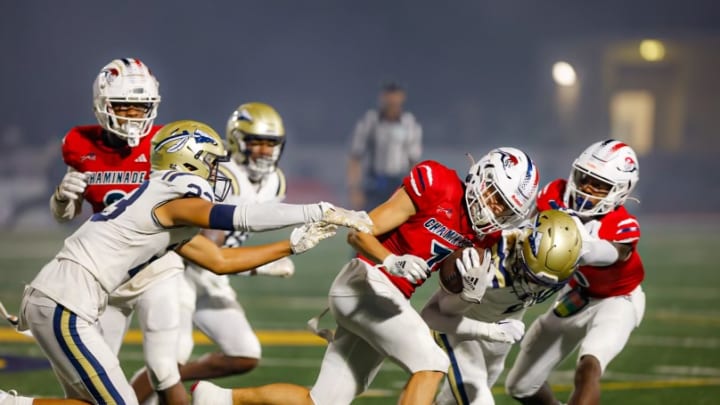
271, 188
115, 244
500, 300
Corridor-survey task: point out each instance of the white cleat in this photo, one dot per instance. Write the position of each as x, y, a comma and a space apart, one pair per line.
207, 393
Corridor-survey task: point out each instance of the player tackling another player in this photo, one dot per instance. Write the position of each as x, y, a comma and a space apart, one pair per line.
598, 310
432, 214
63, 302
477, 326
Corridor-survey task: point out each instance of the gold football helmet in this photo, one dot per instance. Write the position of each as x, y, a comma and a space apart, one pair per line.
191, 147
255, 122
548, 253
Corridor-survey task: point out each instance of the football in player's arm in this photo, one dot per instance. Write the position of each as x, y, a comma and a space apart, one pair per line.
432, 214
478, 326
599, 309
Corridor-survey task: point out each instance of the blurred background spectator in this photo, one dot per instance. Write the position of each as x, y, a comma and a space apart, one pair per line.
386, 143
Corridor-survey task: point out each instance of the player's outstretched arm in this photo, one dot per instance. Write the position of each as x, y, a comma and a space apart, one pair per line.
505, 331
255, 217
207, 254
385, 217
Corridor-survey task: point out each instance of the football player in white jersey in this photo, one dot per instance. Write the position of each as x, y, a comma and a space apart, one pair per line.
256, 138
478, 326
63, 302
125, 101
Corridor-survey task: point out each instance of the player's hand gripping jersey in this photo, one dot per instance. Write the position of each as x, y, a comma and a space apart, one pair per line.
441, 224
618, 226
111, 172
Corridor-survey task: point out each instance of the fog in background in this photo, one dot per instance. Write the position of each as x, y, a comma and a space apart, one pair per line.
478, 75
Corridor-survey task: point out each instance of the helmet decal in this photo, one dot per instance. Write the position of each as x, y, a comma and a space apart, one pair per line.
508, 160
629, 165
198, 136
245, 115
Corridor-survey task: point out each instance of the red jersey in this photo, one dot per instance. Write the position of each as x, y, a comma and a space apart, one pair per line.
618, 226
441, 224
112, 172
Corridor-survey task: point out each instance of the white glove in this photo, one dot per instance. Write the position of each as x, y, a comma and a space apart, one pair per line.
413, 268
308, 236
476, 275
279, 268
505, 331
72, 186
358, 220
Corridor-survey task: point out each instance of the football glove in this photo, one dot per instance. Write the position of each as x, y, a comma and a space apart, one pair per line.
358, 220
72, 186
308, 236
505, 331
476, 275
413, 268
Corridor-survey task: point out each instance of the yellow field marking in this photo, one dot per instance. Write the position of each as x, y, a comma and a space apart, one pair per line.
267, 337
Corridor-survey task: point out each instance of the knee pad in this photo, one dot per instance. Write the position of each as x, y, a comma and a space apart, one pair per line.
185, 346
163, 372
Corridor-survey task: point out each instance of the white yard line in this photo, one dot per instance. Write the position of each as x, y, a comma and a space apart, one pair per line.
684, 342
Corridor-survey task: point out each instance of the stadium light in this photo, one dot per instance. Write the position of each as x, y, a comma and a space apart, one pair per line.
564, 74
652, 50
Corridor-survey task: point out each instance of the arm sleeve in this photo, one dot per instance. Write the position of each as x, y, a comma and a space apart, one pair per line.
262, 217
598, 252
361, 135
454, 322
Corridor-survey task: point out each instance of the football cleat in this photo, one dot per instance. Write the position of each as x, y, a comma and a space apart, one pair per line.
207, 393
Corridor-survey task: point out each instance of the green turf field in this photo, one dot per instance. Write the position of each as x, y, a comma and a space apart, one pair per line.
673, 358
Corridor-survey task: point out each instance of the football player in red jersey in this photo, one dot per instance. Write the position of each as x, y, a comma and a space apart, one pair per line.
432, 214
108, 160
600, 308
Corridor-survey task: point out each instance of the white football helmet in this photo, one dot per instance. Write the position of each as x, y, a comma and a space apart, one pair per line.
610, 163
500, 190
126, 81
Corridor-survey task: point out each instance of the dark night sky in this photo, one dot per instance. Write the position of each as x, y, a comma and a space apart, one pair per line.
319, 62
